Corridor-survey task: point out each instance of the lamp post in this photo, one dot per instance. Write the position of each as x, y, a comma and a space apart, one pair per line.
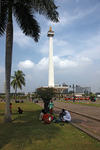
73, 91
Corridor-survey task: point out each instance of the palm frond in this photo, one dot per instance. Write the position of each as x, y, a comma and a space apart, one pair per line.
13, 77
19, 84
22, 80
18, 79
47, 8
13, 84
26, 21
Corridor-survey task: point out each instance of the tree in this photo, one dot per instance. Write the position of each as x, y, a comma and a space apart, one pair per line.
46, 94
24, 12
17, 81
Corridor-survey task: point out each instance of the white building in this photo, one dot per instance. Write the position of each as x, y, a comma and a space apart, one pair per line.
84, 90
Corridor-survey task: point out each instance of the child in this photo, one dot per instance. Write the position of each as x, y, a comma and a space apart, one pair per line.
20, 111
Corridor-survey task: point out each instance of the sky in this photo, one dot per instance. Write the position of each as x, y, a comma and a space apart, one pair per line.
76, 46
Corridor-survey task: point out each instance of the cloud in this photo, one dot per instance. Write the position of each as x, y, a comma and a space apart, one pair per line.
42, 64
21, 40
77, 15
61, 48
45, 47
67, 18
60, 42
59, 62
72, 62
27, 64
91, 47
64, 63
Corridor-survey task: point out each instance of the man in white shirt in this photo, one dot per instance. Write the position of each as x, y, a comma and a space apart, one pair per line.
66, 117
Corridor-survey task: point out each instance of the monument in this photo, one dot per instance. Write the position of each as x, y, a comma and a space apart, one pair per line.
59, 88
51, 67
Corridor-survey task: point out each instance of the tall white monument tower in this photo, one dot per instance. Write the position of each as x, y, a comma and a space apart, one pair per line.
51, 67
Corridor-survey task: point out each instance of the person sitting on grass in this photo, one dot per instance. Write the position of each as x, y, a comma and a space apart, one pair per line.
20, 111
47, 118
65, 116
41, 114
62, 114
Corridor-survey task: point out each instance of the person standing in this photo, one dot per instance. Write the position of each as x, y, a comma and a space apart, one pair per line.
10, 108
74, 98
51, 106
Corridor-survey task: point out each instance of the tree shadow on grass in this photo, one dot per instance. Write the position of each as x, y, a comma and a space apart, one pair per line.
27, 127
1, 114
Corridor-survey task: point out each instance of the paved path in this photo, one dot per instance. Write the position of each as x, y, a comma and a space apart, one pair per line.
88, 110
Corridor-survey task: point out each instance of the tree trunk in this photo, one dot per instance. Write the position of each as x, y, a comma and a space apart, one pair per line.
8, 63
15, 93
46, 106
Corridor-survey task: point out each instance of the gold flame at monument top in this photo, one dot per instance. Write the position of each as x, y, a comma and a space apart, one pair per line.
50, 29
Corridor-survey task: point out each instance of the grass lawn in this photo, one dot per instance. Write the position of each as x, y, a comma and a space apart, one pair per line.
26, 132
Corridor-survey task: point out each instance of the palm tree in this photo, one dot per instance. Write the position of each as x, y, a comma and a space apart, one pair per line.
17, 81
24, 12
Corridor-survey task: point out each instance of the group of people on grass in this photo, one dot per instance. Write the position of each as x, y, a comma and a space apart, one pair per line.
49, 117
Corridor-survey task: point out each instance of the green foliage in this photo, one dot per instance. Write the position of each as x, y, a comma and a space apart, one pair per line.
2, 96
88, 103
35, 95
92, 95
18, 79
46, 93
